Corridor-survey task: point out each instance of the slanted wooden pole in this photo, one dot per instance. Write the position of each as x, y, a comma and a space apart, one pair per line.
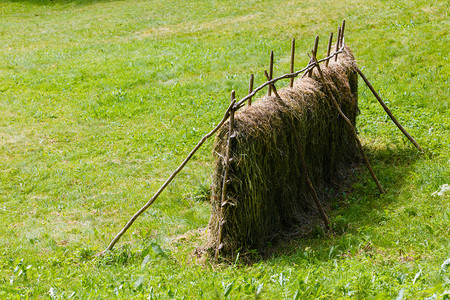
352, 128
169, 180
337, 43
312, 190
388, 111
330, 41
250, 89
292, 61
225, 182
269, 93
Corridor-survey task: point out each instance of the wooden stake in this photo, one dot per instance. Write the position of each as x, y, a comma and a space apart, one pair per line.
316, 45
250, 88
309, 67
330, 41
337, 43
341, 43
292, 61
272, 85
336, 105
269, 93
388, 111
223, 201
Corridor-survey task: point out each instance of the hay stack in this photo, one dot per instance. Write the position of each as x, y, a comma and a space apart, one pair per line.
267, 193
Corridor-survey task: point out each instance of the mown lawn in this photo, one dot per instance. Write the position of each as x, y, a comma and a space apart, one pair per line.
101, 100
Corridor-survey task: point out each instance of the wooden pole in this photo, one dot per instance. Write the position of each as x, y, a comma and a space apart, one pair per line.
292, 61
169, 180
316, 45
337, 43
225, 176
312, 190
388, 111
250, 89
269, 93
341, 43
272, 85
330, 41
309, 67
336, 105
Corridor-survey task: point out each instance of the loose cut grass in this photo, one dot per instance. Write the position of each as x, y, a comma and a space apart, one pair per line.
267, 194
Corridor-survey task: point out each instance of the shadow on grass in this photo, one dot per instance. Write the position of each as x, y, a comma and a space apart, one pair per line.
357, 205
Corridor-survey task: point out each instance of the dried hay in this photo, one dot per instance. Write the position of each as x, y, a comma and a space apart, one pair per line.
267, 194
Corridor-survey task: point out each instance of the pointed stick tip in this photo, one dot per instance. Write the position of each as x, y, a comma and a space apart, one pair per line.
316, 44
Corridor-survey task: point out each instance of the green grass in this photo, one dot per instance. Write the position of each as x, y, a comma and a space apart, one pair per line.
101, 100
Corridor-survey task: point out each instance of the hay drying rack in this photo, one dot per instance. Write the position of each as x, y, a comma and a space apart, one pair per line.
270, 83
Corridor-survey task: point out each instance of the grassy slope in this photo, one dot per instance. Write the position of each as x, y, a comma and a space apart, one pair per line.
100, 101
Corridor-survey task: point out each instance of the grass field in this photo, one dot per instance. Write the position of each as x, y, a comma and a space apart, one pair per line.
101, 100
